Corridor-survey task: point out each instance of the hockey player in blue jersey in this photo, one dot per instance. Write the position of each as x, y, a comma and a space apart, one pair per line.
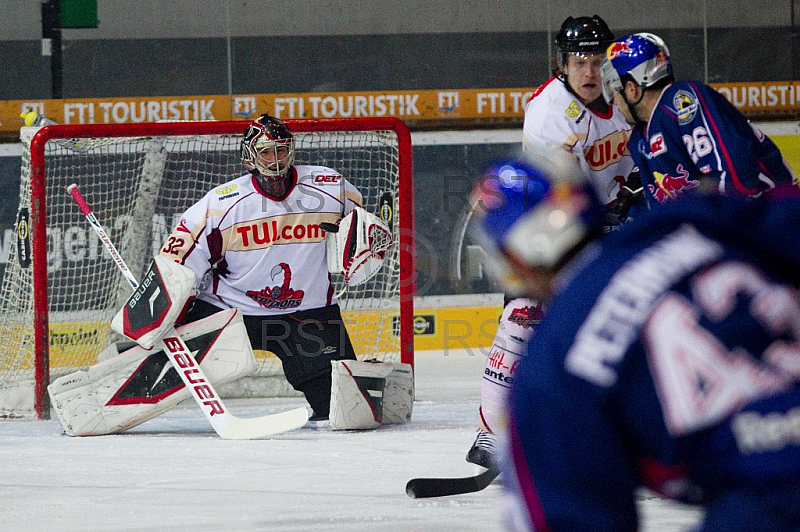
686, 134
669, 357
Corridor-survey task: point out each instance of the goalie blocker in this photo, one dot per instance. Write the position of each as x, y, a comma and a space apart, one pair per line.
367, 394
129, 388
357, 246
154, 307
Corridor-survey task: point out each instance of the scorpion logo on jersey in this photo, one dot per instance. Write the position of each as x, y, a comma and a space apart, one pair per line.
281, 296
527, 317
670, 187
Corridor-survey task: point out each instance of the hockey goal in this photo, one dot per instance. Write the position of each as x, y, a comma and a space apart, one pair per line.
60, 292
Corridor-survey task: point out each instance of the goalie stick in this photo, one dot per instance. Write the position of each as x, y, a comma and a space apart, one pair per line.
228, 426
423, 488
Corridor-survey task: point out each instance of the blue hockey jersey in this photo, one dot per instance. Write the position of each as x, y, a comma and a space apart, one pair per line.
669, 358
694, 133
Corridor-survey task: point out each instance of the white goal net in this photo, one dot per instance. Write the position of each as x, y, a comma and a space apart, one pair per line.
61, 289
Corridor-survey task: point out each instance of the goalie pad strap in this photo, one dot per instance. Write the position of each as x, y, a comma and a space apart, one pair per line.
365, 395
154, 307
131, 387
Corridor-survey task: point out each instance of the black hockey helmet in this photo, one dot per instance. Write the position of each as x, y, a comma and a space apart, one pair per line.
268, 133
584, 34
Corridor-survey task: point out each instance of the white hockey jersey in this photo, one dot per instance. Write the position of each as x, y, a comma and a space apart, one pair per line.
557, 117
263, 256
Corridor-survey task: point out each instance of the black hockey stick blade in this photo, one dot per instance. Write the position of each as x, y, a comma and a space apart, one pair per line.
423, 488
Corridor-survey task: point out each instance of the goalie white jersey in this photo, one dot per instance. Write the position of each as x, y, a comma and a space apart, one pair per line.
557, 117
261, 255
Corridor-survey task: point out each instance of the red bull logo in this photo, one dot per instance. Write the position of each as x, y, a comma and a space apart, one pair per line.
670, 187
617, 49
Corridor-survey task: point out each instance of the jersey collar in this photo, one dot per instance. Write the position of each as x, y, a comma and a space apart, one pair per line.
261, 191
653, 111
594, 107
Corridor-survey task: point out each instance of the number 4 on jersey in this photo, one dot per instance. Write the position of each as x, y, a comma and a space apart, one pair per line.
699, 380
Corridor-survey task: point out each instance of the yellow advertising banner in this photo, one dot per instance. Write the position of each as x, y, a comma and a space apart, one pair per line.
762, 96
455, 327
422, 105
406, 105
117, 110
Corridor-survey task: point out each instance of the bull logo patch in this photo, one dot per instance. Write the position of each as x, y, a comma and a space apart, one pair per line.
669, 187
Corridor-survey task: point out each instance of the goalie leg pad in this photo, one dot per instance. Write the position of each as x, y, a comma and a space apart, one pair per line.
398, 395
137, 385
155, 306
366, 394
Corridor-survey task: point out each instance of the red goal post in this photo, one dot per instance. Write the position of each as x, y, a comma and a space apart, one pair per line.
351, 146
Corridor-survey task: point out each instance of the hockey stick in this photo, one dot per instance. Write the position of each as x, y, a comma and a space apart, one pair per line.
423, 488
228, 426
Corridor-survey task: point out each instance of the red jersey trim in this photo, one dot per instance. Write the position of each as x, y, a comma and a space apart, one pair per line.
540, 88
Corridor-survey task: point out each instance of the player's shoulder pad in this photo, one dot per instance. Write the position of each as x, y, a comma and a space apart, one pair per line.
231, 190
545, 90
555, 106
680, 102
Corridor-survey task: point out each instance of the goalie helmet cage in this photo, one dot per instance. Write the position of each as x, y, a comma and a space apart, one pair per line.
138, 179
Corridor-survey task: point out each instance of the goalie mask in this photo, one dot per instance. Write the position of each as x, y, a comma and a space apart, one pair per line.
268, 147
532, 213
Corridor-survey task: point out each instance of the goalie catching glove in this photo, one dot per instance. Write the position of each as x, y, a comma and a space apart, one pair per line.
357, 246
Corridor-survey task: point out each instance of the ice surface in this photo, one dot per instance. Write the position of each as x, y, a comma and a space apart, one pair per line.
174, 473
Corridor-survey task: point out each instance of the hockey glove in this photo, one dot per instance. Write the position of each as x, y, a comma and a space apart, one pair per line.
630, 195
